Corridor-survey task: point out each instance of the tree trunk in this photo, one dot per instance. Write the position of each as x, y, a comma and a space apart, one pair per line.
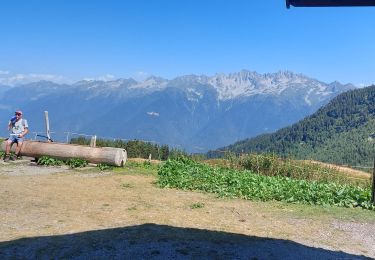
108, 155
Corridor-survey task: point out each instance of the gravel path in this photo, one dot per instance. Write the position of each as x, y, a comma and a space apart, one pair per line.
28, 168
150, 241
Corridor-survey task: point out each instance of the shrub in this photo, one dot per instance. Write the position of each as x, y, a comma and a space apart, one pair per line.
104, 166
76, 163
49, 161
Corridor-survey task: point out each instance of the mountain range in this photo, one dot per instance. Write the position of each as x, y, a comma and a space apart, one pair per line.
191, 112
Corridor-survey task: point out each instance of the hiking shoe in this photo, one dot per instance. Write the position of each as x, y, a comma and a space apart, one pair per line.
18, 157
11, 158
6, 158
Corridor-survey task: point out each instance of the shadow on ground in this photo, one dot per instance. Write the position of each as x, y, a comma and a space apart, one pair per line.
161, 242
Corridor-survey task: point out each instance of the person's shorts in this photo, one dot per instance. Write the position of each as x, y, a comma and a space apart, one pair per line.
15, 139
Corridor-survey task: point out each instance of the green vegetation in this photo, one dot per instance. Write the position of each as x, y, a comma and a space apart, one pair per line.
147, 164
76, 163
134, 148
49, 161
341, 132
2, 154
144, 167
187, 174
271, 165
104, 167
137, 167
197, 205
72, 163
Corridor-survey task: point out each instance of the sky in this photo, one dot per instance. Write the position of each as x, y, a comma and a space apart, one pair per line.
70, 40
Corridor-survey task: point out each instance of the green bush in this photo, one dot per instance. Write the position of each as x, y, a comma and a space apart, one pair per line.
2, 154
49, 161
76, 163
104, 166
72, 163
147, 164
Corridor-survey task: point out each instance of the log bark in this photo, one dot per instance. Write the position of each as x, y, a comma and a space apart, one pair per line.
108, 155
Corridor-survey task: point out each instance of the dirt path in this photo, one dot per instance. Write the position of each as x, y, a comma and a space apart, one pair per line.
70, 214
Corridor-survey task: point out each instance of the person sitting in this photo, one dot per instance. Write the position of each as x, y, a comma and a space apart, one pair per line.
18, 128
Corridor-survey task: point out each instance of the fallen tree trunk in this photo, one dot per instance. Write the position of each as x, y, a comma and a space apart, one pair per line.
108, 155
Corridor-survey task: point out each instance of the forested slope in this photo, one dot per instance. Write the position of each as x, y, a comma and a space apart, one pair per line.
340, 132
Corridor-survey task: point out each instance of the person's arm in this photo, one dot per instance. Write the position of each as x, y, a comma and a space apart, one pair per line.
24, 132
9, 125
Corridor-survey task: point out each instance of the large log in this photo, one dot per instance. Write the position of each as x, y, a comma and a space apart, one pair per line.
108, 155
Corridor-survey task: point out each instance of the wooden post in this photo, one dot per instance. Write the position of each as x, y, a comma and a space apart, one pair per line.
93, 141
48, 133
67, 137
373, 185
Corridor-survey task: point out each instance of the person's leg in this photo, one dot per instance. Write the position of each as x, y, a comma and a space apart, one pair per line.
8, 146
18, 149
7, 149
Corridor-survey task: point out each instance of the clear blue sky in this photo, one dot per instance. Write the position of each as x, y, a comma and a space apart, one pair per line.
78, 39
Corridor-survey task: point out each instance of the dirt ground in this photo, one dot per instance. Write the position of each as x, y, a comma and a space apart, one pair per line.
48, 212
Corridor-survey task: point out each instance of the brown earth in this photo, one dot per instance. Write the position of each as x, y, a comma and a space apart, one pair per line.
61, 213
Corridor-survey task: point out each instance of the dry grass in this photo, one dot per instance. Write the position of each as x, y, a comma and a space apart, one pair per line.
344, 170
355, 176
